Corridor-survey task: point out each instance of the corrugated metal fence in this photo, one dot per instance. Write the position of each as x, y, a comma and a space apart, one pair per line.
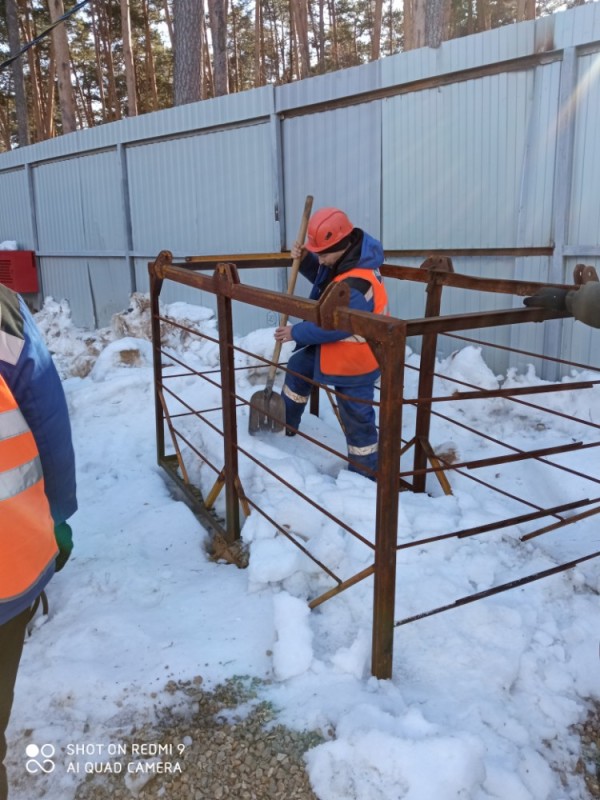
485, 149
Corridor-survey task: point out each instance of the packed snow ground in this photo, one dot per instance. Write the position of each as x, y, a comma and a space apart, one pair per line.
482, 697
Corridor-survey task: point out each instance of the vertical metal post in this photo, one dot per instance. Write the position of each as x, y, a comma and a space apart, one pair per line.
34, 224
391, 358
314, 401
563, 180
155, 288
426, 369
227, 274
126, 205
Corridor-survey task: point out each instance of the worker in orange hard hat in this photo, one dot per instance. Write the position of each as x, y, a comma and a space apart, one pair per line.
326, 229
336, 251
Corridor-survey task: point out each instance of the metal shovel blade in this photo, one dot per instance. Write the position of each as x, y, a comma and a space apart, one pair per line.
267, 412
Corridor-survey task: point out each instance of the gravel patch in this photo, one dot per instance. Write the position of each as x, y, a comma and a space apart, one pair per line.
228, 746
588, 764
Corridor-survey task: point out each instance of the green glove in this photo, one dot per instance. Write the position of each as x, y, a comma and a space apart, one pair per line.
548, 297
64, 540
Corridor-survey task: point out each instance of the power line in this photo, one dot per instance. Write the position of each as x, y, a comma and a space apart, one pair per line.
44, 33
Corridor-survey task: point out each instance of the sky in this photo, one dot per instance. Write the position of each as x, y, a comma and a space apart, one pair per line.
482, 697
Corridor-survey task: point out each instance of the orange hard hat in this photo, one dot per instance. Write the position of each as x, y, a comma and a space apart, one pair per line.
326, 228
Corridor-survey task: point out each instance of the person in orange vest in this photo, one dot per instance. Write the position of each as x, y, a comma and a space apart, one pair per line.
336, 251
37, 487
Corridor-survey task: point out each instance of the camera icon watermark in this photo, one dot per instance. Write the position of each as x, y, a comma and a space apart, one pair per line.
40, 759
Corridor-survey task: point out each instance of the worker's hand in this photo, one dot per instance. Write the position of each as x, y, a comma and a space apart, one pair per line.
548, 297
283, 334
297, 250
64, 540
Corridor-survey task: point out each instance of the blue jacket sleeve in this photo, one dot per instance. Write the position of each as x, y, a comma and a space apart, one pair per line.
37, 388
306, 333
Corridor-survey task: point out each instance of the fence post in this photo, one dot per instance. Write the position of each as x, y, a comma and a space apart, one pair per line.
156, 283
391, 359
427, 367
226, 274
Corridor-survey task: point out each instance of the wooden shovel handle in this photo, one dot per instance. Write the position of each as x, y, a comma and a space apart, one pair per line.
291, 286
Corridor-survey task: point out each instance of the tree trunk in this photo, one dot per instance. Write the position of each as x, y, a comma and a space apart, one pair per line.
150, 71
48, 122
12, 19
259, 45
169, 22
98, 51
207, 85
300, 12
66, 96
4, 125
436, 22
414, 24
132, 109
112, 104
234, 69
218, 27
321, 36
525, 10
376, 38
35, 82
334, 35
484, 16
187, 71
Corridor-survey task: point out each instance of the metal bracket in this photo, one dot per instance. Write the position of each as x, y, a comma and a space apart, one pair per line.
336, 295
163, 259
584, 274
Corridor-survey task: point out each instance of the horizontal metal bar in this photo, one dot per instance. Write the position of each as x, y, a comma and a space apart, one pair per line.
507, 459
581, 250
517, 64
527, 353
494, 526
461, 281
491, 393
245, 259
576, 518
498, 252
480, 319
472, 598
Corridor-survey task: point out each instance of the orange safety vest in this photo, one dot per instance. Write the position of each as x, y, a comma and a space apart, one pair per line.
353, 356
27, 543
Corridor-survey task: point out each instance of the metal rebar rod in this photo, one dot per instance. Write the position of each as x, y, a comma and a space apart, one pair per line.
486, 394
576, 518
342, 586
471, 598
522, 352
519, 455
561, 467
305, 497
494, 526
294, 541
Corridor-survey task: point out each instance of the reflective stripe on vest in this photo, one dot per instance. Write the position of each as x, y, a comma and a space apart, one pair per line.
353, 356
27, 543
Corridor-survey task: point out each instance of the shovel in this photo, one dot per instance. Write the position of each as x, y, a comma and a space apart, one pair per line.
267, 409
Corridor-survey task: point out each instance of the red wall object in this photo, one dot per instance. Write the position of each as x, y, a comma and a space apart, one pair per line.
18, 270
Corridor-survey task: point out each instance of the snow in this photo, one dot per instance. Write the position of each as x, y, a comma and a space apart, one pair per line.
482, 697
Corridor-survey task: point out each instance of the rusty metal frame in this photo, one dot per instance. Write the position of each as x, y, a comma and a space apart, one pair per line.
387, 336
